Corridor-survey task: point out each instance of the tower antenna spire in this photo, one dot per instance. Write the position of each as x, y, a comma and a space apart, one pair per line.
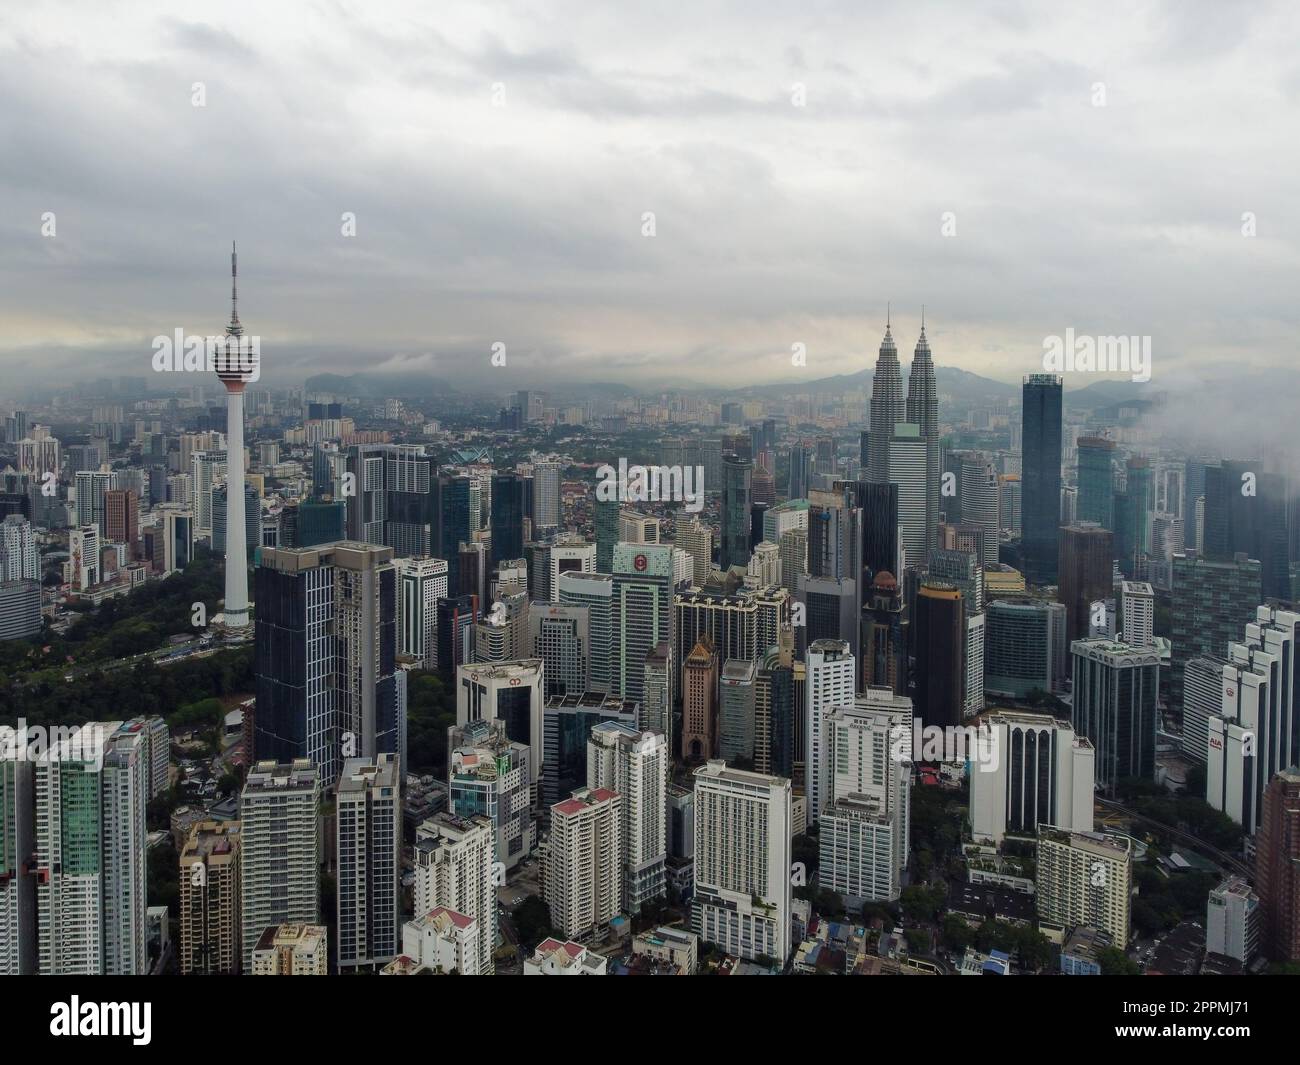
234, 289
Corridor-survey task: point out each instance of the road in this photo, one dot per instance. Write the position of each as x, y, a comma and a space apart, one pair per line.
1195, 842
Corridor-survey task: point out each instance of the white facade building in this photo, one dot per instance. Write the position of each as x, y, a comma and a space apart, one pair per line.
742, 861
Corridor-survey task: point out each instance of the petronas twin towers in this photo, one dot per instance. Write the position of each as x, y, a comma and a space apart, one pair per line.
915, 421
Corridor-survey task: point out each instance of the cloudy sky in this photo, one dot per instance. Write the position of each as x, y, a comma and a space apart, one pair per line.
500, 160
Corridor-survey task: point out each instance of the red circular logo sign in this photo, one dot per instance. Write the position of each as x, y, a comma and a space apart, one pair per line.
639, 563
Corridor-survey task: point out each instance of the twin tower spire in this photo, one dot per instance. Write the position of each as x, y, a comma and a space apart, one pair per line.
889, 410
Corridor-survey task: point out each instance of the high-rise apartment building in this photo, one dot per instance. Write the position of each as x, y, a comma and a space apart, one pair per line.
454, 867
582, 867
830, 685
742, 862
280, 848
636, 766
211, 900
368, 849
1233, 921
864, 828
90, 790
1084, 878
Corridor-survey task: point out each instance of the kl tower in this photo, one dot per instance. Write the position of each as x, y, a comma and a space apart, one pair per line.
236, 367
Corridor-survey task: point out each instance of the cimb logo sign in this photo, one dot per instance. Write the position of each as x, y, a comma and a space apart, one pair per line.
120, 1019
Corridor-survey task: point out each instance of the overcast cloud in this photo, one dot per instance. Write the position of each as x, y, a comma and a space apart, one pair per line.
522, 223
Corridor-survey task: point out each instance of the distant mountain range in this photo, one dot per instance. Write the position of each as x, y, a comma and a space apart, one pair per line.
962, 385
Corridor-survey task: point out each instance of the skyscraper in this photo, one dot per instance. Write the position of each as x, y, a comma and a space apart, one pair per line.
907, 460
508, 516
454, 868
643, 610
1084, 573
884, 636
1114, 706
700, 701
606, 521
1211, 603
559, 636
742, 862
865, 825
489, 776
1040, 470
582, 869
369, 852
1043, 775
234, 377
736, 695
421, 582
737, 493
210, 900
923, 411
1277, 866
939, 637
830, 670
1096, 481
509, 692
280, 848
635, 765
595, 592
887, 408
325, 656
1245, 511
90, 793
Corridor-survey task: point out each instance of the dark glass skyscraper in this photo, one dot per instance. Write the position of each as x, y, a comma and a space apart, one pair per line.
1040, 469
879, 504
606, 534
939, 633
1133, 517
737, 488
1245, 511
1096, 481
508, 509
451, 524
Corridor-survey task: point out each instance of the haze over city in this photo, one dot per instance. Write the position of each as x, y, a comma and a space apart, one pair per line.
1092, 170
